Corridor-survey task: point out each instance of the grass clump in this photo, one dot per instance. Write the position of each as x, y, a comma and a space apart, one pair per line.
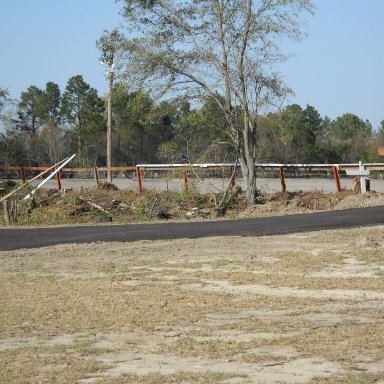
56, 364
178, 378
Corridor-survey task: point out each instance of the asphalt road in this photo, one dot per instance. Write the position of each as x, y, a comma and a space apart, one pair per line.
17, 238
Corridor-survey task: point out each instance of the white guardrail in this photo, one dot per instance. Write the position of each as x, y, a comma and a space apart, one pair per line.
356, 169
359, 170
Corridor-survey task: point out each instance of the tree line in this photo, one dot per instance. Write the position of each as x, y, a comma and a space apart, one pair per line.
46, 125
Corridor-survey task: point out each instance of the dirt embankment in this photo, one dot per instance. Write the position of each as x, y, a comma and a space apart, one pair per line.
304, 202
108, 203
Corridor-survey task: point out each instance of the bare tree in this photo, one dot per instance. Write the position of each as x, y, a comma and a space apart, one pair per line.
221, 48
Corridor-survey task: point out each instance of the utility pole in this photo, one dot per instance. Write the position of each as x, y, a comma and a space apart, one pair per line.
108, 45
109, 120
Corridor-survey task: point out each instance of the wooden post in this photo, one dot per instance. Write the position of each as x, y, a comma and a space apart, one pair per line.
336, 176
282, 179
139, 180
97, 177
6, 212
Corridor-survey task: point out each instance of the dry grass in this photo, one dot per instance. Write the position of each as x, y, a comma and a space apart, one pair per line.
204, 378
54, 364
355, 378
220, 310
44, 304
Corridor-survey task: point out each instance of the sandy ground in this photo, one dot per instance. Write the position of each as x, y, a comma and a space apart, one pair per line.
301, 308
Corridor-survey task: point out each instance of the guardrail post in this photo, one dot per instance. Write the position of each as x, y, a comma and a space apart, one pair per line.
363, 185
186, 181
336, 175
22, 173
97, 176
139, 180
282, 180
58, 178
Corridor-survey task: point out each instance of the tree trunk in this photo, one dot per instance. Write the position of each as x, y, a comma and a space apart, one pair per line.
80, 149
247, 156
249, 175
245, 140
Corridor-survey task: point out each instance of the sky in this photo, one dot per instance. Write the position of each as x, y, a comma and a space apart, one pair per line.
337, 69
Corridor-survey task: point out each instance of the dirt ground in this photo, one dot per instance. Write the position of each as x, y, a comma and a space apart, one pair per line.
301, 308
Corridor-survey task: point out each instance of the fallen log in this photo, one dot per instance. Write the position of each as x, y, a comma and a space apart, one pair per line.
101, 209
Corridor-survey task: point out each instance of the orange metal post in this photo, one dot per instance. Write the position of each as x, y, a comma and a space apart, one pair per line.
22, 173
336, 175
186, 181
58, 178
139, 180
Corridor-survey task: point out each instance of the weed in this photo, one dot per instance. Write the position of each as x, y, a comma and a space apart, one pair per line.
182, 377
351, 378
213, 349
